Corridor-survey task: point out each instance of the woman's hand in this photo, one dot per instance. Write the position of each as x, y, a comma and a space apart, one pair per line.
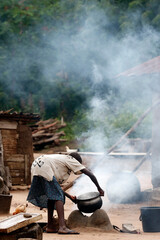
73, 199
101, 192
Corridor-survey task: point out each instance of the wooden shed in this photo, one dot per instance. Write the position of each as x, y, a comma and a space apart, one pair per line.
16, 149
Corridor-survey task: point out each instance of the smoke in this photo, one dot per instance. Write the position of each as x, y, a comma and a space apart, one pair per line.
97, 76
105, 56
91, 52
95, 55
111, 56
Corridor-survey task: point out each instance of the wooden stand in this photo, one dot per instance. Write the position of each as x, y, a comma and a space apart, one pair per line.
32, 231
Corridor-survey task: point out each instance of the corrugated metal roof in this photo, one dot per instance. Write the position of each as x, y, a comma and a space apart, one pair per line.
150, 67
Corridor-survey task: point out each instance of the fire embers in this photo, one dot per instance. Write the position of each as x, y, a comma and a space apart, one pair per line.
123, 187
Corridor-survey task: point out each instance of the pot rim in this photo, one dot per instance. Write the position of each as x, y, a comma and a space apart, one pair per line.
84, 197
150, 207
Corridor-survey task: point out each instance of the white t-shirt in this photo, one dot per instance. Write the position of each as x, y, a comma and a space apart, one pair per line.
58, 165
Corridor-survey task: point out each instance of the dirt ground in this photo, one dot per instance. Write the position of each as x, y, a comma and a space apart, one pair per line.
117, 213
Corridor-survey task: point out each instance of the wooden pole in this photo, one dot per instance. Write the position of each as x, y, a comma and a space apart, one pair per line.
155, 160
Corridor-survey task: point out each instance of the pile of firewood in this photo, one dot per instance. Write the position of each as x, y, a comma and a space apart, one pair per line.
47, 133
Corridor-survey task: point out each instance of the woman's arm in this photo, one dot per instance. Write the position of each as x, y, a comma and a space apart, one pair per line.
72, 198
94, 180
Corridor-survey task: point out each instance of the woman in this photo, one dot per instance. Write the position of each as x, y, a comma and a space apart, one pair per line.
48, 172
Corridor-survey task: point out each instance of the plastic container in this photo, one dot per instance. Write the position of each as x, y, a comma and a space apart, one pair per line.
5, 203
150, 217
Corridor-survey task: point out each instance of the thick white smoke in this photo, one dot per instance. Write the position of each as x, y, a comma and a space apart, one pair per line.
93, 53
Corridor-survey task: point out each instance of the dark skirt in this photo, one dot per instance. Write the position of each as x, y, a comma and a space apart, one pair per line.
41, 190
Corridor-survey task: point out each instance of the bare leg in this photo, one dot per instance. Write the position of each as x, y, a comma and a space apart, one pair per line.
60, 212
51, 228
62, 226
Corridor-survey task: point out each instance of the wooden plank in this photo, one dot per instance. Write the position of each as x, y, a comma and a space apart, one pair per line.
15, 165
4, 124
18, 181
49, 140
41, 135
46, 122
18, 221
17, 173
20, 171
16, 157
15, 160
46, 127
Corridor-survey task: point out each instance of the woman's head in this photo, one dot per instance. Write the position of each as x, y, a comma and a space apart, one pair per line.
76, 156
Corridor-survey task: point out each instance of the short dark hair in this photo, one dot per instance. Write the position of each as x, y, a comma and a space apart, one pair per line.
76, 156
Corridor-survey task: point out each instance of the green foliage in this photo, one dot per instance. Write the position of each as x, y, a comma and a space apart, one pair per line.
126, 119
147, 16
69, 132
156, 21
135, 5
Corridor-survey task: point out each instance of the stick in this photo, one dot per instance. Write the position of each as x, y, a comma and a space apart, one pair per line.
46, 127
142, 161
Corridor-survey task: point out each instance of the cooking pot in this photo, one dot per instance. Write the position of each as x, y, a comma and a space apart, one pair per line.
123, 187
89, 202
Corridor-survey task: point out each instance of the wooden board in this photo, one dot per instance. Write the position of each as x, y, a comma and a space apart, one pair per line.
17, 221
8, 124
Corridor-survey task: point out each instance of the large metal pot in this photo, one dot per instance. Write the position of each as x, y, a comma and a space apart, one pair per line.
123, 187
89, 202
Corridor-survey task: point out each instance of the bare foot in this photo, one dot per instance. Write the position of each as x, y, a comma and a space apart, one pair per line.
67, 231
51, 230
52, 227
